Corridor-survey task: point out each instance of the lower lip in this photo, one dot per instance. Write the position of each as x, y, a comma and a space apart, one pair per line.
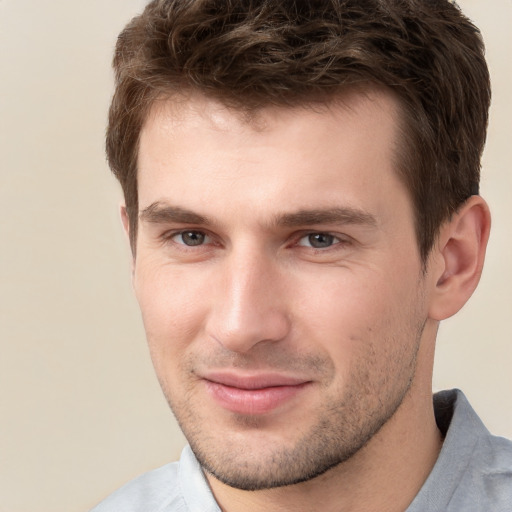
252, 401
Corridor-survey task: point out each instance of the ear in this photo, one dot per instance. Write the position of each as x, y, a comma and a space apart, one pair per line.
124, 219
459, 257
126, 228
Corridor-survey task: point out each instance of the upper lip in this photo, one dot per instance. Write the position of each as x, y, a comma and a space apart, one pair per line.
251, 381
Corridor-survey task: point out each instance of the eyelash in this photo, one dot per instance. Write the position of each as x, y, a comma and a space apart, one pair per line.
169, 237
333, 239
190, 232
336, 240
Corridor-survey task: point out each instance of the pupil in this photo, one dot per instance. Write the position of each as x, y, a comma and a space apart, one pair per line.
192, 238
320, 240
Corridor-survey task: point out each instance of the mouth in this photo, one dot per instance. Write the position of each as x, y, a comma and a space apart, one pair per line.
253, 394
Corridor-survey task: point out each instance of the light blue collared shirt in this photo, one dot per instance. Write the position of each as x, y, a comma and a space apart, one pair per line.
472, 474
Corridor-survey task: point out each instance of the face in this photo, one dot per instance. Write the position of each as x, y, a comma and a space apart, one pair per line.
279, 280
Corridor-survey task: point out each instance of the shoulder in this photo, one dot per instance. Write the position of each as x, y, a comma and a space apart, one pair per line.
154, 491
474, 469
176, 487
488, 480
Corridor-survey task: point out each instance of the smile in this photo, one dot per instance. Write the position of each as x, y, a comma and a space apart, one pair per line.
253, 395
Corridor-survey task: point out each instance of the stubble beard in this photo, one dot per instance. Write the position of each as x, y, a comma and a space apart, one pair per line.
344, 425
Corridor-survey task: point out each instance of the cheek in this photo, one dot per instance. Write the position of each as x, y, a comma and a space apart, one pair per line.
350, 314
172, 305
342, 301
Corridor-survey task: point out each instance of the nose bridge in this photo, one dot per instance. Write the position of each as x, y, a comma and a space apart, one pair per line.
250, 307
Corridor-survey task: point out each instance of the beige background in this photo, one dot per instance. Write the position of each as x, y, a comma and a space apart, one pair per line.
80, 409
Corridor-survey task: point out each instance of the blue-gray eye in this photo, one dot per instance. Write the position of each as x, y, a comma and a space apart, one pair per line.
190, 238
318, 240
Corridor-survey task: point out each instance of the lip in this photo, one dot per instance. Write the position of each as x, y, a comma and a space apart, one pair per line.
253, 394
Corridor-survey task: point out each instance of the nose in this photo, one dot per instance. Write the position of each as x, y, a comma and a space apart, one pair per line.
250, 305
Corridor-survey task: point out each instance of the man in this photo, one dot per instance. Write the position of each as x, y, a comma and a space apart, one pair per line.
301, 187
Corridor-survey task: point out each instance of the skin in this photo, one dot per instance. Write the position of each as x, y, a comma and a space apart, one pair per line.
283, 248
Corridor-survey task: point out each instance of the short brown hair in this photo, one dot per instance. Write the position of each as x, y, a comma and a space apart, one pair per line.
255, 53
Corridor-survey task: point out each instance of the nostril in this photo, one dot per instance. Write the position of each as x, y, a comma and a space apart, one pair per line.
241, 333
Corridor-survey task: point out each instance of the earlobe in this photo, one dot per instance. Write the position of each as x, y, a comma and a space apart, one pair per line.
460, 253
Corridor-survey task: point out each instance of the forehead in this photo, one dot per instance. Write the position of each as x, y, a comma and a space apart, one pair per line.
201, 152
178, 109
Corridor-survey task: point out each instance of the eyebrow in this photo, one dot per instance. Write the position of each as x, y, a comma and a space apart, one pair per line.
344, 215
161, 213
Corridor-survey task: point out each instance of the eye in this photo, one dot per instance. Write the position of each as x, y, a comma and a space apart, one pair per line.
318, 240
191, 238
